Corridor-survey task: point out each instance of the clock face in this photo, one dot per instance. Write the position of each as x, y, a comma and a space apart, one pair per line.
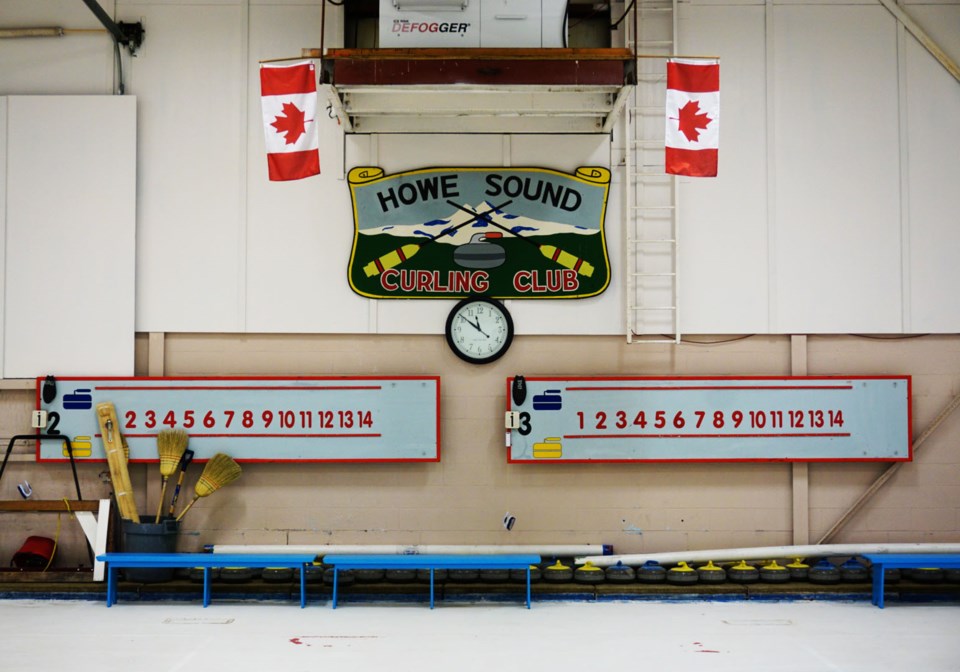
479, 330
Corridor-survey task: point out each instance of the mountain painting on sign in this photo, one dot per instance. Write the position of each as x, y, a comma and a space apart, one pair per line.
507, 233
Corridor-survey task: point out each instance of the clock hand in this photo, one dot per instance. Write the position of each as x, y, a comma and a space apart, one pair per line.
475, 325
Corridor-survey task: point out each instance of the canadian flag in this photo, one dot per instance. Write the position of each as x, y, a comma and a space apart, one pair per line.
693, 117
288, 95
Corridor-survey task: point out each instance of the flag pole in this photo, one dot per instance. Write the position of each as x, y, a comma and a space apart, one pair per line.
666, 57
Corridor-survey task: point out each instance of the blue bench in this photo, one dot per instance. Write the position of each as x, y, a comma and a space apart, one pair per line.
884, 561
115, 561
432, 562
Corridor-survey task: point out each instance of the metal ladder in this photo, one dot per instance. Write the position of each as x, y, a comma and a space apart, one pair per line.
651, 222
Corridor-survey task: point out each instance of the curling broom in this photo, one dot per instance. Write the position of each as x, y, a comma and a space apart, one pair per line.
170, 446
221, 470
113, 447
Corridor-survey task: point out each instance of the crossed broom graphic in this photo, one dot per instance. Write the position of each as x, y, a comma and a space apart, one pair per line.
404, 252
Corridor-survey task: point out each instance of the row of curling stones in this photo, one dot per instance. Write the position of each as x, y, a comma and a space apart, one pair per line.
564, 571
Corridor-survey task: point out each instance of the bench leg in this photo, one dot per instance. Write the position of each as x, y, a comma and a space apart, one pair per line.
431, 587
334, 601
528, 586
111, 584
206, 586
878, 579
303, 585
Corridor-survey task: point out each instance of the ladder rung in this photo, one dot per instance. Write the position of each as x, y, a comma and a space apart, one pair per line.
647, 143
651, 241
653, 307
653, 275
652, 207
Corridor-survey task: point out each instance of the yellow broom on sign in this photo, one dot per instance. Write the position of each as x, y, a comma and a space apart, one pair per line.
405, 252
170, 446
221, 470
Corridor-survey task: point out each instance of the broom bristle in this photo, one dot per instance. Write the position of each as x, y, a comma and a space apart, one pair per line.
170, 446
221, 470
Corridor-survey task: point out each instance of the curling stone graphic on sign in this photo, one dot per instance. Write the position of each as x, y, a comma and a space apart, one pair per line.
550, 448
78, 400
82, 447
549, 400
481, 251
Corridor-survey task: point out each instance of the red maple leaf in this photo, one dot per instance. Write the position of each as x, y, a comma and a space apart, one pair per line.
291, 125
691, 119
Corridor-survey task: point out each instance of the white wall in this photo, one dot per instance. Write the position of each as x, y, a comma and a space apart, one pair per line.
833, 211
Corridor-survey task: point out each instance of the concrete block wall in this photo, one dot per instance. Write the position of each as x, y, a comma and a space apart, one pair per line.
462, 499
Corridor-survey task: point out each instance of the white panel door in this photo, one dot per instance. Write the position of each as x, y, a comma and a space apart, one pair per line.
836, 230
70, 228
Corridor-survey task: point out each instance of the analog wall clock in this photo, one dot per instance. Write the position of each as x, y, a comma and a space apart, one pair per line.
479, 330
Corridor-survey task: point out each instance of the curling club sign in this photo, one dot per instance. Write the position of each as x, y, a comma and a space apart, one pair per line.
510, 233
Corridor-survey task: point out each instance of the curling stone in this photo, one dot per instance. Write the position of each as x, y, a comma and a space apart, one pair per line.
891, 575
368, 575
438, 575
926, 574
710, 573
588, 573
195, 574
951, 575
277, 574
406, 575
557, 573
743, 573
520, 575
682, 573
620, 573
494, 575
314, 573
853, 571
774, 572
463, 575
238, 574
798, 569
824, 572
345, 577
651, 572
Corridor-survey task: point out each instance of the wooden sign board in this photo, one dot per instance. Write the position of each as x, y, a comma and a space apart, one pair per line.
263, 419
602, 419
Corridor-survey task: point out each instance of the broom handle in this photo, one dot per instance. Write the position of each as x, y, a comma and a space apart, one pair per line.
184, 463
163, 492
187, 508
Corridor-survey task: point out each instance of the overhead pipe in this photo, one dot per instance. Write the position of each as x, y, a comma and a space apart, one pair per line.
766, 553
549, 550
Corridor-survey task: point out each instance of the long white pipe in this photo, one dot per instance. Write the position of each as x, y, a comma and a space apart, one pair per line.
548, 550
766, 553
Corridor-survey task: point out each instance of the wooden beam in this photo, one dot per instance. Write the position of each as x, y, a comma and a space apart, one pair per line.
922, 37
27, 505
887, 475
